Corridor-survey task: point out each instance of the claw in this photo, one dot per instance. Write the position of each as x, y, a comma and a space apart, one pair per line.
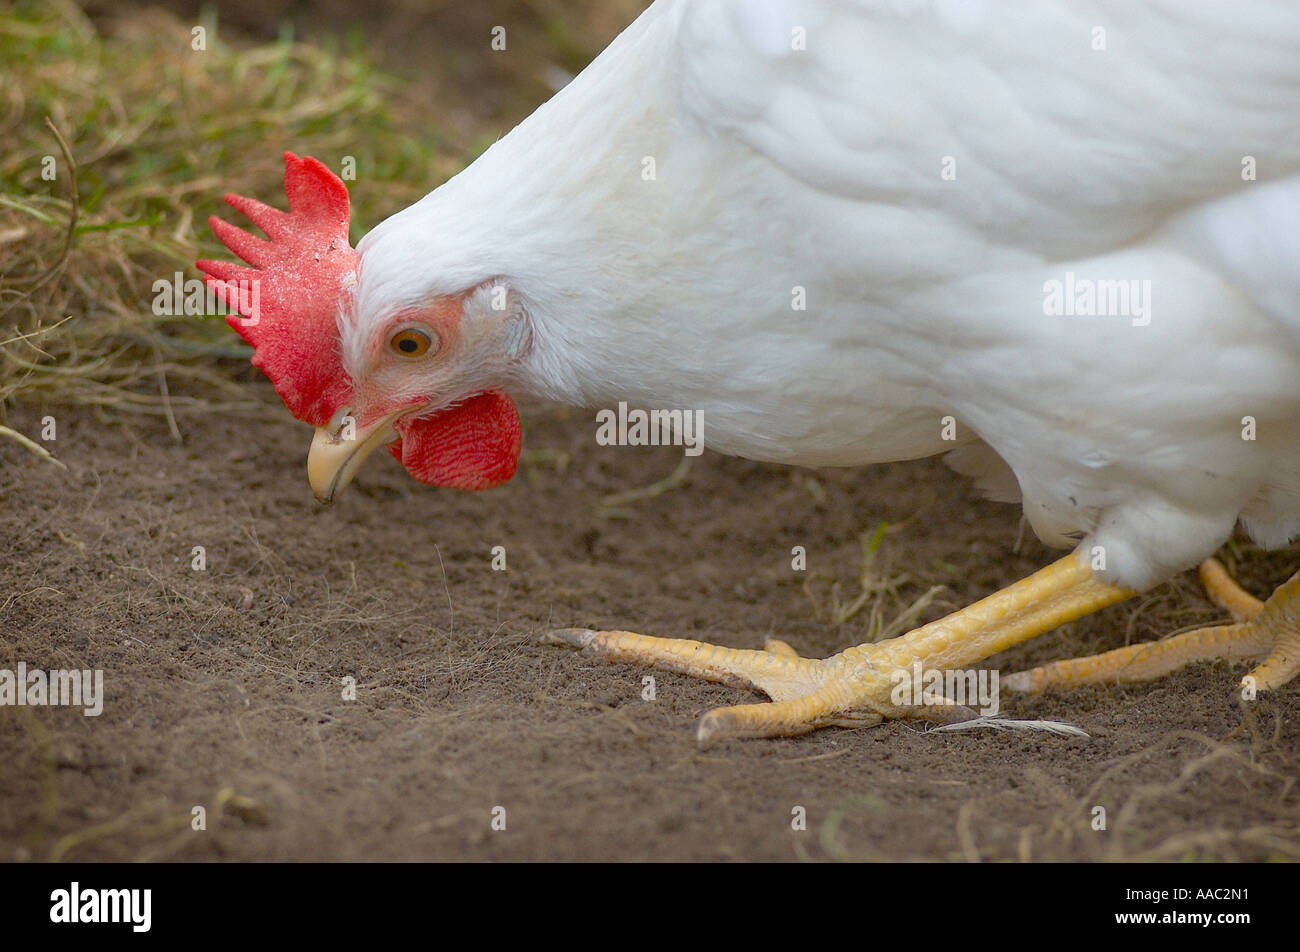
574, 637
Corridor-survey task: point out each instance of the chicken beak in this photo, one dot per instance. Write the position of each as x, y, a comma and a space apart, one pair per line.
338, 450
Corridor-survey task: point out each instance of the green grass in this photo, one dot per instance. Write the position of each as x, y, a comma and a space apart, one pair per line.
158, 133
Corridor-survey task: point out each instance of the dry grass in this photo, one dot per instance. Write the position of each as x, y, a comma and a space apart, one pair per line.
156, 132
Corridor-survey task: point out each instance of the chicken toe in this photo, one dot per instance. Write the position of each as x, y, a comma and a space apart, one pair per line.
1268, 631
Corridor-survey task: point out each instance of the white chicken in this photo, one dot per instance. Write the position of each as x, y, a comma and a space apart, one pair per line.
845, 232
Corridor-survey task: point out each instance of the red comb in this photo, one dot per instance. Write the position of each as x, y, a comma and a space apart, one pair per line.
289, 299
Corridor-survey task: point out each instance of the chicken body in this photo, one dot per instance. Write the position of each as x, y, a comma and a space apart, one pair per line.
921, 178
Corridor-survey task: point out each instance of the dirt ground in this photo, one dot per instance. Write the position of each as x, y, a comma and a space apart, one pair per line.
224, 686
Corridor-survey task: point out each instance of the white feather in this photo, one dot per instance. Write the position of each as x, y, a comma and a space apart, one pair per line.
1060, 728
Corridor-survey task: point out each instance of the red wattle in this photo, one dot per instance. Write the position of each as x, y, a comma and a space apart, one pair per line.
473, 445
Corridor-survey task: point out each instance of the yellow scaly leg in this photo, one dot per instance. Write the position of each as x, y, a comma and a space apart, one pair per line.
1269, 630
857, 686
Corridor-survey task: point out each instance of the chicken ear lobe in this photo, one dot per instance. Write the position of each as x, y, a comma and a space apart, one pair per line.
473, 445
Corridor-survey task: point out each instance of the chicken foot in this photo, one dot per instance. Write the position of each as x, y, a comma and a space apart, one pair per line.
857, 687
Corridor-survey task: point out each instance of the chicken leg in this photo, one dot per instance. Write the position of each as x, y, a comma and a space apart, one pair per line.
857, 687
1268, 630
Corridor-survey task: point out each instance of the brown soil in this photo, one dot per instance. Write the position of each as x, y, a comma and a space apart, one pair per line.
459, 710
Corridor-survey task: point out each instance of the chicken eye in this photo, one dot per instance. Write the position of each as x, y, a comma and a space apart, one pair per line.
410, 342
